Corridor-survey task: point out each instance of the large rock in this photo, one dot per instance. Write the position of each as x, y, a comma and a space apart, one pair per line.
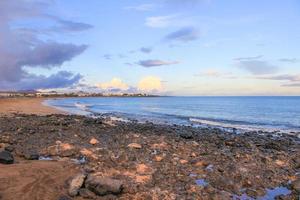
75, 184
103, 185
6, 157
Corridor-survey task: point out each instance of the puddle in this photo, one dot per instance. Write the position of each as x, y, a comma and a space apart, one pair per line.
80, 161
45, 158
193, 175
270, 194
201, 182
210, 167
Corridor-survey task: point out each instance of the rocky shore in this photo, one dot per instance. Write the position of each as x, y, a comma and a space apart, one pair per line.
74, 157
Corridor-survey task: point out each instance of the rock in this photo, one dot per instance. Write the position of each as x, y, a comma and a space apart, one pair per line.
183, 161
135, 146
201, 164
87, 194
75, 184
9, 148
280, 163
6, 157
296, 185
61, 149
158, 158
88, 153
31, 155
103, 185
94, 141
186, 135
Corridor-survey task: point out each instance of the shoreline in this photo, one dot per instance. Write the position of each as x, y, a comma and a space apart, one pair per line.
82, 109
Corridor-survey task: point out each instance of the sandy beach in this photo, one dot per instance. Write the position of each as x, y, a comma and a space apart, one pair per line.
26, 106
63, 157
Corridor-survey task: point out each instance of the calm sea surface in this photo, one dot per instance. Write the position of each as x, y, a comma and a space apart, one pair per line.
251, 113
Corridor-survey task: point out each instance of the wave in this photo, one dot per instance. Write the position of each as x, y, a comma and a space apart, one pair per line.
179, 113
239, 126
82, 106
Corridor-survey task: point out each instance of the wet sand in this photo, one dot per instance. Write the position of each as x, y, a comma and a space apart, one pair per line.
151, 161
26, 106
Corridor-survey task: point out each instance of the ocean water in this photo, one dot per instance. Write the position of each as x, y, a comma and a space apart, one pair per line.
247, 113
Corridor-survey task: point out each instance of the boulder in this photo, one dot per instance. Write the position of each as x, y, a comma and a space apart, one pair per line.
6, 157
103, 185
75, 184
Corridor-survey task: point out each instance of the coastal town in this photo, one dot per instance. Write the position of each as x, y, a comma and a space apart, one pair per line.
12, 94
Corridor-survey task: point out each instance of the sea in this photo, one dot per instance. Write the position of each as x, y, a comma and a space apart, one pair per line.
253, 113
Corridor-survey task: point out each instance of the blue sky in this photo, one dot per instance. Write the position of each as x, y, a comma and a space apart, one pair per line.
174, 47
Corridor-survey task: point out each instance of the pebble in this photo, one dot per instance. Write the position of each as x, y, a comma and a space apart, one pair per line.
94, 141
135, 146
158, 158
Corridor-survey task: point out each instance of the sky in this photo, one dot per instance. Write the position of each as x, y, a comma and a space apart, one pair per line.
167, 47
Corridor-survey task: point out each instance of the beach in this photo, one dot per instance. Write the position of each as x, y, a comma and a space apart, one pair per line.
26, 106
57, 155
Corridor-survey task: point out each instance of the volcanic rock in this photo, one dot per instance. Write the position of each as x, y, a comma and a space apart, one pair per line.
6, 157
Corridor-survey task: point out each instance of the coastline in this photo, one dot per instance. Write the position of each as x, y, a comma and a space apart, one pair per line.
26, 105
150, 160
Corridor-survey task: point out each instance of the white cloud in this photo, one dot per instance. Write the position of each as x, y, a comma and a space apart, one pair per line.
150, 84
142, 7
175, 20
114, 84
161, 21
